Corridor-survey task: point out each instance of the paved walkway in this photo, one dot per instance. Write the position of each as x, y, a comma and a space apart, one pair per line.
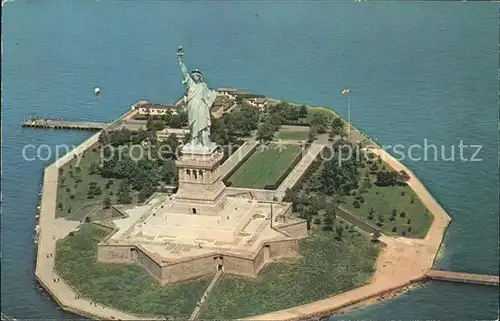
53, 229
237, 156
402, 262
204, 297
299, 169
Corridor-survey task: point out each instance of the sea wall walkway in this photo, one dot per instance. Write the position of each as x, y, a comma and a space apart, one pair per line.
53, 229
403, 261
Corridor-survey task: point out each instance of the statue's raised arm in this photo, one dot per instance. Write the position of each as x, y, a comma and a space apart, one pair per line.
186, 77
199, 100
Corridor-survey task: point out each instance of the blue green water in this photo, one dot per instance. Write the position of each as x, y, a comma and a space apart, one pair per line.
417, 70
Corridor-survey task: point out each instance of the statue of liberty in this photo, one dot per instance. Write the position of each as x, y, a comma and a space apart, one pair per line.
199, 101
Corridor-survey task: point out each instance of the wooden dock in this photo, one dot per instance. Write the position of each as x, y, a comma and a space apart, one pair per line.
63, 124
483, 279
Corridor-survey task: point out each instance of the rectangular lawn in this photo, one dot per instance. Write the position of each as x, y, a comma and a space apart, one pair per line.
265, 166
293, 135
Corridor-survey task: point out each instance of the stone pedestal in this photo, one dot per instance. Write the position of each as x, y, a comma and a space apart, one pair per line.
199, 179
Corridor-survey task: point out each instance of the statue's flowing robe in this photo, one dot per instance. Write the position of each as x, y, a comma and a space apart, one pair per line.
199, 100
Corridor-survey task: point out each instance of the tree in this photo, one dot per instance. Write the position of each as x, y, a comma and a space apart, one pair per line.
168, 172
327, 223
340, 231
386, 178
340, 175
337, 126
123, 194
266, 131
319, 121
94, 168
303, 111
175, 121
106, 203
311, 136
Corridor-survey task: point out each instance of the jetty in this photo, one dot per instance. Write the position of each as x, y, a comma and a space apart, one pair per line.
470, 278
63, 124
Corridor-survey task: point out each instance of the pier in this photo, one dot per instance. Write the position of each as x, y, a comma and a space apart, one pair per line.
63, 124
482, 279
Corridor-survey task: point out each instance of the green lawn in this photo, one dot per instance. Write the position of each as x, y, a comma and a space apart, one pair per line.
265, 166
329, 267
328, 112
125, 287
74, 179
415, 220
293, 135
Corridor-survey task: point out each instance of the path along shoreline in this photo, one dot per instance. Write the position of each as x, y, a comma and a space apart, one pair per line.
402, 263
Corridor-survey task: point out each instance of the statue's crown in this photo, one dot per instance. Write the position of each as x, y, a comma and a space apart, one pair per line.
197, 71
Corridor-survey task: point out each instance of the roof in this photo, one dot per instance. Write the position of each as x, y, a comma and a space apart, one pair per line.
227, 89
249, 95
156, 106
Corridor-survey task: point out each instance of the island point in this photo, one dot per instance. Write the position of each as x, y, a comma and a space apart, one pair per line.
229, 204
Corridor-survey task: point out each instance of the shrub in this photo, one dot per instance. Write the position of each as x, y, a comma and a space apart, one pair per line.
412, 200
402, 193
317, 221
356, 204
110, 182
394, 229
402, 214
60, 206
78, 169
68, 189
403, 233
72, 196
69, 209
409, 229
409, 221
88, 219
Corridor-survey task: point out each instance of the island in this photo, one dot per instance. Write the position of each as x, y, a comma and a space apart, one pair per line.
229, 204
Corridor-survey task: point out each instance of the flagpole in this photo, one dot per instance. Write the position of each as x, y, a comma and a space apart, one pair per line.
272, 213
348, 116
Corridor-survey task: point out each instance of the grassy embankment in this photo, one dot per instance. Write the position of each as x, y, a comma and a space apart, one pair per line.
74, 183
396, 210
329, 267
125, 287
265, 166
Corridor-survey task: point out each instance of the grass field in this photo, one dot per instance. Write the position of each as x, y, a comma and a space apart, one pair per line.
321, 110
329, 267
412, 218
126, 287
293, 135
74, 180
265, 166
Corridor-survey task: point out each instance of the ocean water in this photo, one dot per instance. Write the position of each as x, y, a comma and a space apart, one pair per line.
417, 70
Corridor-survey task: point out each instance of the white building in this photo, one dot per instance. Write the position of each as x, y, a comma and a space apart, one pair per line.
259, 103
146, 108
227, 92
181, 133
